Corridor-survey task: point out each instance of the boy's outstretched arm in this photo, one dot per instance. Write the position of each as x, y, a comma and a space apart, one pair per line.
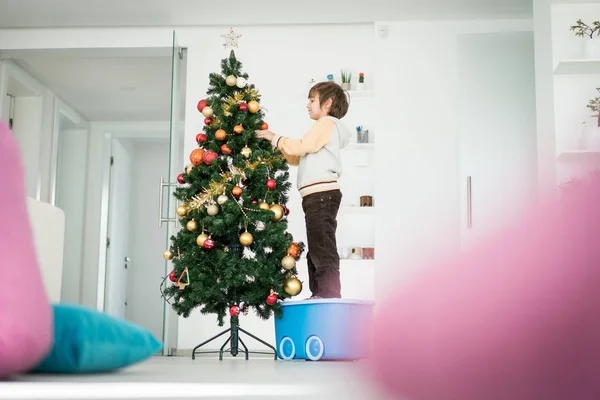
314, 140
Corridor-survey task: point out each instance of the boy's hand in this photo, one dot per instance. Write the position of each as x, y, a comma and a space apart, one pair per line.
265, 134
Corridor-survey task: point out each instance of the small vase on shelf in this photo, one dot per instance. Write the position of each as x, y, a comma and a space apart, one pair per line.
360, 86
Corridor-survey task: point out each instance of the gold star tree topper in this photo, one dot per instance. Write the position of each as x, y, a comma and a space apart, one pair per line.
231, 39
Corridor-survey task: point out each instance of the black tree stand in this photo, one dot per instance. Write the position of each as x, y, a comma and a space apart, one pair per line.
233, 339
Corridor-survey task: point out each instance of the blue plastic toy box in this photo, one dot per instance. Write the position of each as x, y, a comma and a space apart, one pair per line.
324, 329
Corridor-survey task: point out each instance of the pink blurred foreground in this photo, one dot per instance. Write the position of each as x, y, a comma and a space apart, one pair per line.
517, 318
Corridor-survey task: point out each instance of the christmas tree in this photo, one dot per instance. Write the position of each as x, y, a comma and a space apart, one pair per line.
233, 252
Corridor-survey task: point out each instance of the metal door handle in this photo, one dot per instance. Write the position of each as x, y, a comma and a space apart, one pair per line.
162, 219
469, 204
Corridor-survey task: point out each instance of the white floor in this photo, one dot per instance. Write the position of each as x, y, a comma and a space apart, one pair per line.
207, 378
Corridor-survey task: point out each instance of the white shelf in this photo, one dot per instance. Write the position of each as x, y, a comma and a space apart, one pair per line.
360, 146
356, 209
360, 93
579, 155
358, 263
566, 67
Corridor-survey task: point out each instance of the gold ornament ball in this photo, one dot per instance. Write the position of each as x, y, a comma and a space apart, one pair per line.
264, 206
292, 286
278, 212
168, 255
288, 262
181, 211
207, 111
246, 152
246, 239
191, 225
200, 239
253, 106
222, 199
212, 210
231, 80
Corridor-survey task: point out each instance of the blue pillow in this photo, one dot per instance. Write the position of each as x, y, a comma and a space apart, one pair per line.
86, 341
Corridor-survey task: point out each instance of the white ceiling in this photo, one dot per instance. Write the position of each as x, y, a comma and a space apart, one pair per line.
104, 86
71, 13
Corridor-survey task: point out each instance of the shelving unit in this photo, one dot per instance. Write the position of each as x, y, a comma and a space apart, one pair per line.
361, 93
360, 146
356, 225
577, 67
574, 83
579, 156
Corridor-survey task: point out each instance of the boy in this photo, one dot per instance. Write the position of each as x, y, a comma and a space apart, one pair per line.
318, 156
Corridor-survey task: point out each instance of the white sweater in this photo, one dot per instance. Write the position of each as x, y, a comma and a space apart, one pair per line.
317, 154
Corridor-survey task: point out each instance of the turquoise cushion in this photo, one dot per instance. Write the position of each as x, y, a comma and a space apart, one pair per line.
86, 340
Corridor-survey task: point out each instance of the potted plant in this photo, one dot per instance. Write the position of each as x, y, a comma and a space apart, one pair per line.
591, 36
346, 78
360, 86
592, 133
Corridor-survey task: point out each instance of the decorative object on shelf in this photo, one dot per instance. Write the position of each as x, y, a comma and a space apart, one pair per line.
330, 77
591, 38
355, 253
366, 201
362, 135
346, 79
368, 253
360, 86
590, 138
344, 252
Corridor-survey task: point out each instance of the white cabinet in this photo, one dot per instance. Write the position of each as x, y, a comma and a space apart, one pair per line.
497, 131
451, 102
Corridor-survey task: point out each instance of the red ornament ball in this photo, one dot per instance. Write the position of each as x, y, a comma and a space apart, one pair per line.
271, 299
225, 149
201, 105
264, 126
234, 311
271, 184
209, 243
254, 202
286, 211
180, 179
209, 156
172, 276
208, 121
243, 107
200, 138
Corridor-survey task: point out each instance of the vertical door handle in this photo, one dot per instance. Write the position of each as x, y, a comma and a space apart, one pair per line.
162, 219
469, 203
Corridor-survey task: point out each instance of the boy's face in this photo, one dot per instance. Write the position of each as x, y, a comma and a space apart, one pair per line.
316, 110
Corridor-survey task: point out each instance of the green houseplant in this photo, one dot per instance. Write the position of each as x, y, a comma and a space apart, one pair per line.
346, 75
591, 36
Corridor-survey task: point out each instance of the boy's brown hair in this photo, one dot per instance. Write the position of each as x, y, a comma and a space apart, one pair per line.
331, 90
